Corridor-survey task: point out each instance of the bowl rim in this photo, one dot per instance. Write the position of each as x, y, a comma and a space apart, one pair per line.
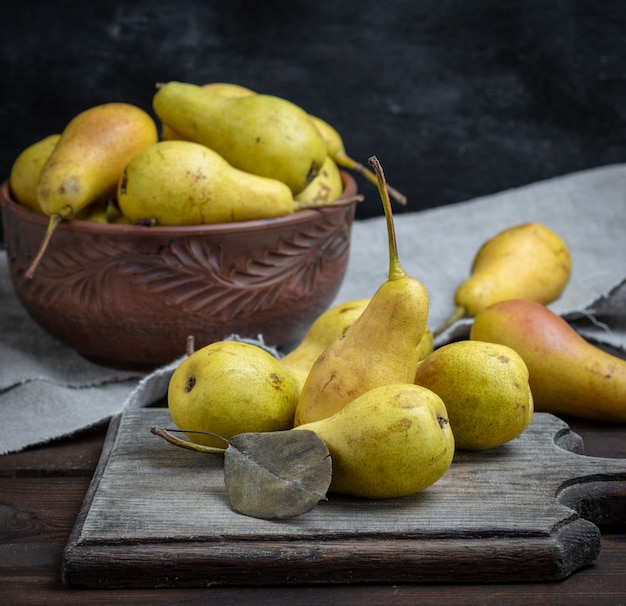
298, 217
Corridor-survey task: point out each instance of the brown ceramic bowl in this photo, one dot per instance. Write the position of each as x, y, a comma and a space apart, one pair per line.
133, 294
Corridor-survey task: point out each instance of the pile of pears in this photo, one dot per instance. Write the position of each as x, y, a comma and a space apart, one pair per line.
391, 407
355, 381
224, 154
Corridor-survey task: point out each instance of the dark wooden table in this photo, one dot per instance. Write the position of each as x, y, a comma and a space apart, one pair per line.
42, 489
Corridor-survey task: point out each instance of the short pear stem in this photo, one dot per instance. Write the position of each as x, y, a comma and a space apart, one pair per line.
52, 224
459, 312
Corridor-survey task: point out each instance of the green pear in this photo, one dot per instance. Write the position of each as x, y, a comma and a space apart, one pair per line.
327, 328
87, 161
527, 261
391, 441
102, 211
381, 346
90, 156
325, 188
485, 389
230, 387
568, 375
186, 183
26, 169
337, 151
227, 89
260, 134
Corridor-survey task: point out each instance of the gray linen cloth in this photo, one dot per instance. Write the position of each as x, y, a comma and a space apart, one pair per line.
48, 391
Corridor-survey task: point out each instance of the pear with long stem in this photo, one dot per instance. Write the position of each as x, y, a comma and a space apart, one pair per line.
380, 347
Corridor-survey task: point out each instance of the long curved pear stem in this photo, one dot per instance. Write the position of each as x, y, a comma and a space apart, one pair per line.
395, 269
52, 224
459, 312
168, 436
347, 162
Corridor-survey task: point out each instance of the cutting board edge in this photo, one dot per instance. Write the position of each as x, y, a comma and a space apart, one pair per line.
572, 546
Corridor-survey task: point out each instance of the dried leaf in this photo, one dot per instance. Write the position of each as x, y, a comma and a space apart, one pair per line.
277, 474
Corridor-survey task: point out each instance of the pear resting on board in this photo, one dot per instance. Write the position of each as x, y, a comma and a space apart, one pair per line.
380, 347
568, 375
526, 261
228, 388
391, 441
485, 389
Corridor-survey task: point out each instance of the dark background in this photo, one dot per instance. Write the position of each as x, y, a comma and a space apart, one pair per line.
457, 98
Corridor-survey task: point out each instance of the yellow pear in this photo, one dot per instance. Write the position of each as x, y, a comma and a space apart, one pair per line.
230, 387
103, 211
526, 261
260, 134
222, 88
25, 171
90, 156
568, 375
88, 159
186, 183
381, 345
327, 328
228, 89
325, 188
485, 389
337, 151
391, 441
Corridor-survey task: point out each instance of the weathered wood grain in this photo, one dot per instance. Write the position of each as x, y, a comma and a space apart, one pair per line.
156, 515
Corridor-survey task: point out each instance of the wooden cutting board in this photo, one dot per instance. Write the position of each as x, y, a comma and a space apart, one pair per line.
159, 516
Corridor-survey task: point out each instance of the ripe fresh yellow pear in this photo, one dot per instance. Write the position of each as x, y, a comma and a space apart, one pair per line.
527, 261
260, 134
391, 441
326, 187
485, 389
186, 183
327, 328
230, 387
25, 171
380, 347
227, 89
87, 161
337, 151
103, 211
568, 375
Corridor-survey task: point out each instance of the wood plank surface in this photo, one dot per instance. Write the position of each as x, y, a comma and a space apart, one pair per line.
31, 553
156, 515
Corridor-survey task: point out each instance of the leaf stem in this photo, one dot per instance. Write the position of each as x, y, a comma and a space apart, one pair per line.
168, 436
